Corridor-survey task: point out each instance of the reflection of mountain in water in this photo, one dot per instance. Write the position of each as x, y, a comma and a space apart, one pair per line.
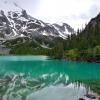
22, 76
48, 86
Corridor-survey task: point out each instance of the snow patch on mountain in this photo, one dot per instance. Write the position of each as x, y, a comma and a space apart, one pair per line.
15, 23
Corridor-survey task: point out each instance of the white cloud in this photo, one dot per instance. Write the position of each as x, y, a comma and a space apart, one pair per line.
74, 12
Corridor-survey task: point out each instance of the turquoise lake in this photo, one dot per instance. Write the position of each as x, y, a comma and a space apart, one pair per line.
26, 77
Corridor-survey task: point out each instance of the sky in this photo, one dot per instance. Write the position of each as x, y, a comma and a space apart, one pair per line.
76, 13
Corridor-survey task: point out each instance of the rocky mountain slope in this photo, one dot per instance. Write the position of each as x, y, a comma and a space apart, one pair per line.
19, 24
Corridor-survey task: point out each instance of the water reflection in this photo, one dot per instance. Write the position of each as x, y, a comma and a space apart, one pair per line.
21, 87
26, 77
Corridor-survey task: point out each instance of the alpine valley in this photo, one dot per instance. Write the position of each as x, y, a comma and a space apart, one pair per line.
43, 61
22, 34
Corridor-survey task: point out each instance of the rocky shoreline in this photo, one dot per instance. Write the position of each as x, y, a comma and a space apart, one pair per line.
89, 59
93, 96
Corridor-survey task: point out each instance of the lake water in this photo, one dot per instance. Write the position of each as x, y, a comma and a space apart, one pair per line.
42, 78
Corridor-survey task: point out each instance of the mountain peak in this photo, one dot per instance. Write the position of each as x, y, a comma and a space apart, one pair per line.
16, 23
6, 6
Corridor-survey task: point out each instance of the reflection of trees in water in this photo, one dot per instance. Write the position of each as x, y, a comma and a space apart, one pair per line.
23, 85
93, 85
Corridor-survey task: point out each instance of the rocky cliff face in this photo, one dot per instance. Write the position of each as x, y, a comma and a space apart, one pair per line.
19, 24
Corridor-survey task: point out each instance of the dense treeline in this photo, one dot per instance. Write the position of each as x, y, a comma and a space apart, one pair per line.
82, 45
25, 46
28, 49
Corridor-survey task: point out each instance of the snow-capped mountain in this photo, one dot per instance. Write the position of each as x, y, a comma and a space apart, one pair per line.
17, 23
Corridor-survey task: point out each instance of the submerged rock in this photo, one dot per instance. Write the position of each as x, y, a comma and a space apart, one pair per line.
91, 96
81, 99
